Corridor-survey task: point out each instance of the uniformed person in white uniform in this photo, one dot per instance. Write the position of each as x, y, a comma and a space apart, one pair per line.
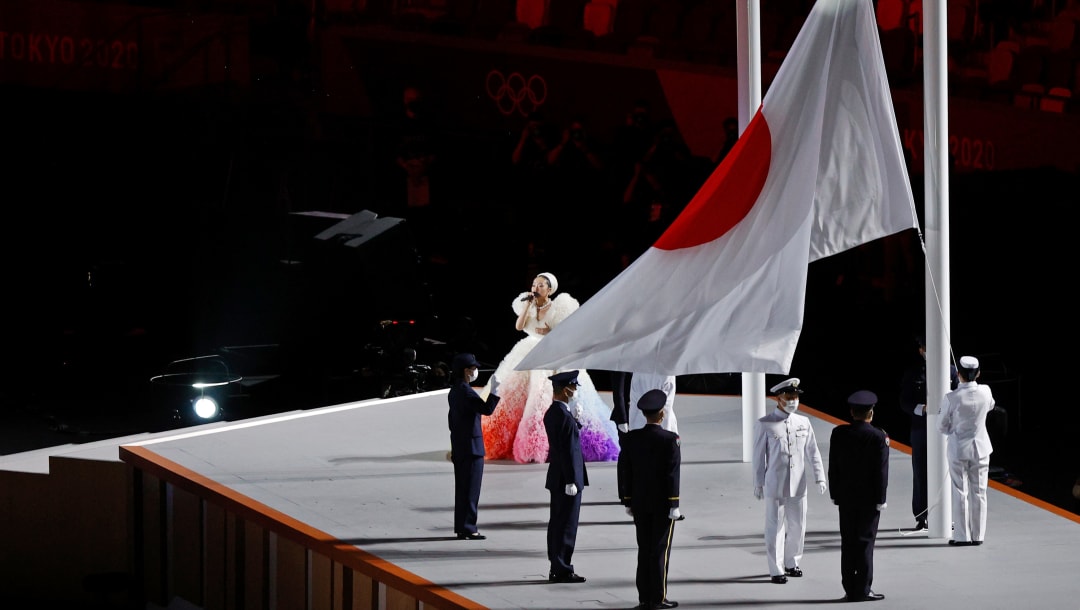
640, 383
784, 448
963, 420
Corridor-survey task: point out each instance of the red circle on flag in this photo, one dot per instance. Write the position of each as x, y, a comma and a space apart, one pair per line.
729, 193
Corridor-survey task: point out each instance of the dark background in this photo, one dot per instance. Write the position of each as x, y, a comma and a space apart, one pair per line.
150, 227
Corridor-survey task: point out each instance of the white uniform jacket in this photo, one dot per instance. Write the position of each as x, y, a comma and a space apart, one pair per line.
643, 382
963, 419
783, 447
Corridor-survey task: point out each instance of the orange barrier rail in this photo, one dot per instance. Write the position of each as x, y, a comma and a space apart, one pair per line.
201, 541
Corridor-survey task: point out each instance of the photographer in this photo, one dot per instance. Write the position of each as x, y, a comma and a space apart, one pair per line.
580, 189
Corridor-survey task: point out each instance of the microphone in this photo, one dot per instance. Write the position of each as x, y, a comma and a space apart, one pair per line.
529, 297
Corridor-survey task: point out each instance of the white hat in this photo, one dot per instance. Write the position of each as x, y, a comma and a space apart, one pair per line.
969, 362
551, 280
786, 386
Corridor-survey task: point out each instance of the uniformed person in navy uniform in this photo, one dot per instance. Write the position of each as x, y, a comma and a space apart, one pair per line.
467, 441
648, 478
566, 477
785, 453
627, 388
913, 403
620, 400
858, 479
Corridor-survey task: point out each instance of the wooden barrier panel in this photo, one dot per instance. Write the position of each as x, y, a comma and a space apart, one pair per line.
291, 576
65, 534
215, 584
321, 570
186, 531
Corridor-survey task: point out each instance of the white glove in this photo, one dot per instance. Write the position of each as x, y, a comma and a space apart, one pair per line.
674, 514
629, 511
623, 428
579, 411
759, 492
882, 506
821, 487
494, 385
571, 489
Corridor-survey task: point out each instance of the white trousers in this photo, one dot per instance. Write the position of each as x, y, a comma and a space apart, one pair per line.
969, 480
785, 528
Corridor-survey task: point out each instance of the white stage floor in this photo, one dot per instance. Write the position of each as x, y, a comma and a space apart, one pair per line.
375, 474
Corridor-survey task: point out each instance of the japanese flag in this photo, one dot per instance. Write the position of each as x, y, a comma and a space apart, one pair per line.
818, 170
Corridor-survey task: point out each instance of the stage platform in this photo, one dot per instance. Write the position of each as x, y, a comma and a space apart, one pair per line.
375, 474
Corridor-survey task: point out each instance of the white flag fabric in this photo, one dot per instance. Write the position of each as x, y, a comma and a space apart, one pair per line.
818, 170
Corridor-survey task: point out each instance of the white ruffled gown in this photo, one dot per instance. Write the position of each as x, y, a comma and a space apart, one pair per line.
516, 428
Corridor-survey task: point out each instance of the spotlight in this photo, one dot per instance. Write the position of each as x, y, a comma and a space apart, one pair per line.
198, 387
206, 408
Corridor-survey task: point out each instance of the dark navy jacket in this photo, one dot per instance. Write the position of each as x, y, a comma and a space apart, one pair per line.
466, 407
858, 465
565, 462
648, 470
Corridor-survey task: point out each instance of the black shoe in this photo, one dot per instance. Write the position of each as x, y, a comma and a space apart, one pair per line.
779, 580
472, 536
664, 605
869, 597
796, 571
961, 543
921, 525
570, 577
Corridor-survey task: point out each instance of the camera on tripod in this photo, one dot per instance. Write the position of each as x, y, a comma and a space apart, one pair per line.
414, 377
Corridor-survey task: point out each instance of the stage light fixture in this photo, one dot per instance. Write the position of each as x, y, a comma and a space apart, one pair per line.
206, 379
205, 407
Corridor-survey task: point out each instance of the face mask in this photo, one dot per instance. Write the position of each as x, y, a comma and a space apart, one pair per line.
791, 405
473, 375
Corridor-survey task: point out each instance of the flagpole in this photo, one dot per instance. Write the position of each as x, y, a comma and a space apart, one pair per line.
748, 20
936, 170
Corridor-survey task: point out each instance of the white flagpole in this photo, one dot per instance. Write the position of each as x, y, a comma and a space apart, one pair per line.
748, 20
936, 170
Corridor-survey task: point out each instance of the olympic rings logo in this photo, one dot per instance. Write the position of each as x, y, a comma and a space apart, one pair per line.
515, 92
